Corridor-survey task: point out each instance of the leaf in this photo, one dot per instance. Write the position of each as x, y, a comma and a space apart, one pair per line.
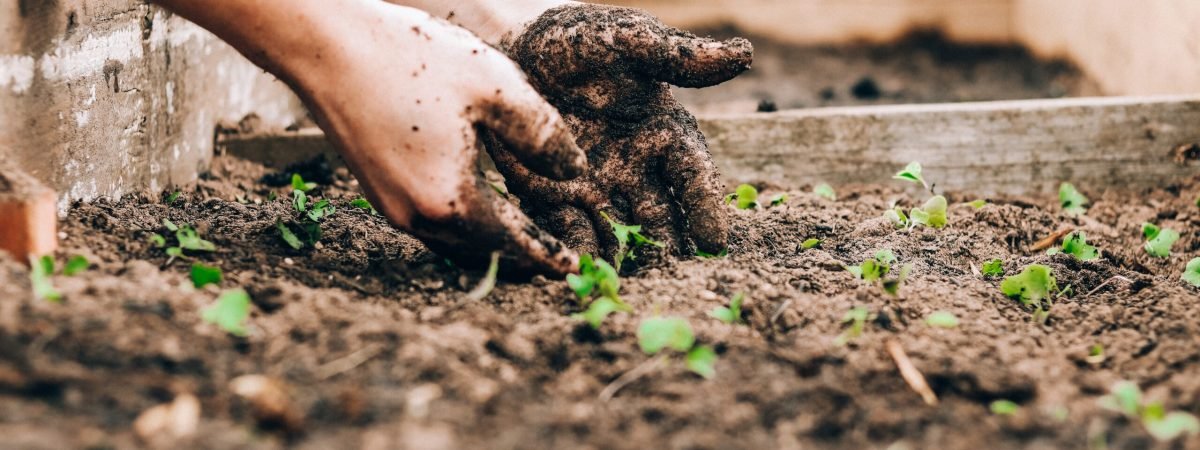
824, 190
1031, 286
175, 252
706, 255
288, 236
1192, 273
747, 197
362, 203
1075, 244
942, 319
203, 275
170, 225
1172, 425
731, 314
993, 268
320, 211
978, 204
598, 311
932, 214
627, 234
658, 333
189, 239
1150, 231
1004, 408
1125, 397
173, 197
857, 318
778, 199
299, 184
893, 286
1073, 202
1160, 245
488, 282
912, 173
873, 270
897, 217
810, 244
1096, 354
76, 265
700, 360
230, 312
40, 271
299, 201
158, 240
885, 256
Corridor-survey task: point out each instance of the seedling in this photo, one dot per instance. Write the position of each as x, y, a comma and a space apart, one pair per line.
892, 286
173, 197
599, 310
672, 333
731, 314
824, 190
1096, 354
857, 317
702, 360
626, 235
76, 265
1075, 244
299, 184
362, 203
912, 173
230, 312
706, 255
810, 244
40, 271
186, 238
1004, 407
1032, 286
596, 278
978, 204
203, 275
1191, 274
1159, 240
942, 319
993, 268
897, 216
1126, 398
932, 214
307, 229
746, 197
778, 199
1073, 202
488, 282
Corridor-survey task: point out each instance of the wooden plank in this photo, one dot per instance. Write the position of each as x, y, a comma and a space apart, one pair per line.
1014, 147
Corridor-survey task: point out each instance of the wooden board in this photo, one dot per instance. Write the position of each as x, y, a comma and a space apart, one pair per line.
1013, 147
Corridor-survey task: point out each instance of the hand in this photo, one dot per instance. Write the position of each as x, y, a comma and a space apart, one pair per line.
402, 96
606, 69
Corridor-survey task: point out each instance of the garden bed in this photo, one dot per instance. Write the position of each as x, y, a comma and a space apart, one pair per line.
372, 339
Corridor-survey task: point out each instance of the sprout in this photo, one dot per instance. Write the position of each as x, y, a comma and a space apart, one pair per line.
1072, 201
912, 173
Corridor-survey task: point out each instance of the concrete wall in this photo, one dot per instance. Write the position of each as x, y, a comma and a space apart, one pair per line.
105, 97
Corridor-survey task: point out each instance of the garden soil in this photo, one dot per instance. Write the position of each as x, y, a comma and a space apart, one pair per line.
367, 341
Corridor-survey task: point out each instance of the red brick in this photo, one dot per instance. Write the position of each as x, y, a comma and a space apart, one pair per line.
28, 216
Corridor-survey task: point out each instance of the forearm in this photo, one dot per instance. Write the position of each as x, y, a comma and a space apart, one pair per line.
489, 19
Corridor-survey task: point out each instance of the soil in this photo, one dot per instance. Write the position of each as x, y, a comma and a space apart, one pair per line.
371, 341
924, 67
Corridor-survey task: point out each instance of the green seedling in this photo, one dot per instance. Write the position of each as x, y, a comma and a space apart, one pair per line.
1191, 274
824, 190
1126, 398
857, 319
942, 319
203, 275
288, 236
978, 204
1073, 202
672, 333
1075, 244
76, 265
488, 282
186, 238
810, 244
1095, 354
299, 184
892, 286
629, 240
993, 268
306, 230
1159, 240
230, 312
731, 314
702, 361
932, 214
745, 197
173, 197
364, 204
874, 269
912, 173
1004, 408
596, 278
40, 272
599, 310
897, 216
778, 199
1032, 286
706, 255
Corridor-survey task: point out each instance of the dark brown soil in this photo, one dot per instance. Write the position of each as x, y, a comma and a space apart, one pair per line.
922, 68
371, 337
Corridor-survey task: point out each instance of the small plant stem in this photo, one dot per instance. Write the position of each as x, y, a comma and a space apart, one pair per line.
1108, 282
1051, 240
909, 372
779, 311
643, 369
349, 362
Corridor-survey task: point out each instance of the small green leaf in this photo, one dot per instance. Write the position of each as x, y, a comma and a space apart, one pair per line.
158, 241
1125, 398
1150, 231
189, 239
658, 333
173, 197
299, 201
892, 286
700, 360
1172, 425
746, 196
932, 214
288, 236
76, 265
362, 203
1004, 408
810, 244
320, 211
897, 217
729, 314
824, 190
993, 268
1096, 354
488, 282
706, 255
912, 173
203, 275
170, 225
857, 318
1073, 202
778, 199
627, 234
978, 204
942, 319
1160, 244
1192, 274
174, 252
299, 184
230, 312
1031, 286
598, 311
40, 272
1075, 244
885, 257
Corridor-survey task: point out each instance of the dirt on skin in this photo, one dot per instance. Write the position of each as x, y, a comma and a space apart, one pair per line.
371, 340
924, 67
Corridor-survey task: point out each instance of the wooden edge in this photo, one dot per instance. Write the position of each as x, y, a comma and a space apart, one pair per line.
28, 216
1012, 147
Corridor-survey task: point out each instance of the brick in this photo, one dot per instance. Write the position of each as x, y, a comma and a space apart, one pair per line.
28, 216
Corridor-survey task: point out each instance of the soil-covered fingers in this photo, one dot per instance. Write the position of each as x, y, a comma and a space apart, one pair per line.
572, 226
534, 131
698, 189
678, 57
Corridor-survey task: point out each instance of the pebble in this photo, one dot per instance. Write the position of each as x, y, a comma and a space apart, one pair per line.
288, 261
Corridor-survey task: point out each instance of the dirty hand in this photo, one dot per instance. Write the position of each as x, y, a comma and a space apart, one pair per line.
607, 69
407, 124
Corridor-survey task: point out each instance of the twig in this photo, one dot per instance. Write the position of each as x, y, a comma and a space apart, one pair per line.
1107, 282
911, 375
349, 362
629, 377
779, 311
1049, 241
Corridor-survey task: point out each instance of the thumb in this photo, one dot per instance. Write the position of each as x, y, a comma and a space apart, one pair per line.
534, 131
680, 58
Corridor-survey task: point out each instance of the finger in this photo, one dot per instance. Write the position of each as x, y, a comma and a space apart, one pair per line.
533, 131
698, 188
681, 58
653, 211
524, 183
572, 226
